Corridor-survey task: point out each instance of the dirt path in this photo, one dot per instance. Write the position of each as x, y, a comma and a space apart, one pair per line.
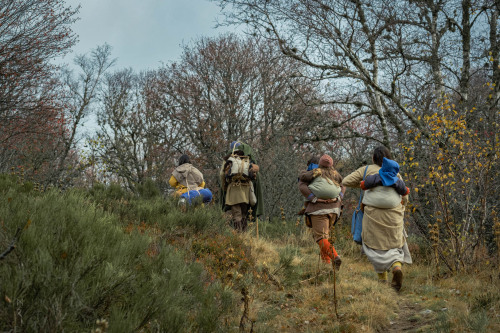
411, 317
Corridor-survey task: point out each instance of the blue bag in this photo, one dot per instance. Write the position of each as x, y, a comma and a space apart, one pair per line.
357, 218
206, 195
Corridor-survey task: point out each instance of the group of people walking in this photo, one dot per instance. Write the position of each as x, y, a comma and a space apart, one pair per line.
240, 185
385, 196
383, 234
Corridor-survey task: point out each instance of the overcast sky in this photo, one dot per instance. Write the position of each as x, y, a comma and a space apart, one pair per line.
143, 33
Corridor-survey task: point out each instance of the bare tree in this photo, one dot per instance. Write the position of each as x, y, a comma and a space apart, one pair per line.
341, 42
380, 58
420, 76
493, 16
135, 141
32, 33
226, 89
80, 92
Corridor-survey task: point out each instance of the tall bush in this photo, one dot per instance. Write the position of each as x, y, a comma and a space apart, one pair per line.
75, 263
454, 176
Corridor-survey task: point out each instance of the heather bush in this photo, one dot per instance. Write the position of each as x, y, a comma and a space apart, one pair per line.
156, 210
223, 255
278, 228
75, 263
148, 189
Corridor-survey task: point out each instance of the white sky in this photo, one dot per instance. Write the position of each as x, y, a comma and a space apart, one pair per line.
143, 33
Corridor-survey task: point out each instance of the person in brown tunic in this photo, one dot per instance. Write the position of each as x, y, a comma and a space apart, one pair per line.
322, 213
240, 190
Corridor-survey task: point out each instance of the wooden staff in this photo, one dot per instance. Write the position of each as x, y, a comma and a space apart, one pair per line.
257, 227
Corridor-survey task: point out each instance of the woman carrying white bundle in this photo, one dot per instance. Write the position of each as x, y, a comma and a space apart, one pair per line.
383, 234
384, 189
323, 206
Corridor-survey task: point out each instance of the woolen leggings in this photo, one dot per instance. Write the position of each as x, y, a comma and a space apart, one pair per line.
239, 216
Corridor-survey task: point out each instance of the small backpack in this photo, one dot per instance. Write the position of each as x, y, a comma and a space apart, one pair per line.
240, 166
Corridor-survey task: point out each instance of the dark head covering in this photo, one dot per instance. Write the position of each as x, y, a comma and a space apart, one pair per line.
379, 153
313, 163
184, 159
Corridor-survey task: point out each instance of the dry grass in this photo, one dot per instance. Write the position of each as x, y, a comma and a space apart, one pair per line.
263, 251
469, 303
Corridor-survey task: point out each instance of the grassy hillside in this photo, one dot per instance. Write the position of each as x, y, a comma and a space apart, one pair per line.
105, 260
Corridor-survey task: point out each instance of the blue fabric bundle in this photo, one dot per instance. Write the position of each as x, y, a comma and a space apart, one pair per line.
389, 172
312, 166
234, 145
206, 195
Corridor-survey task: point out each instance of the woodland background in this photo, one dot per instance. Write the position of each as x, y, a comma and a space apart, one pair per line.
308, 77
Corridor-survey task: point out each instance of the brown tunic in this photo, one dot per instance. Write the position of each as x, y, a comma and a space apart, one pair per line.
305, 178
238, 191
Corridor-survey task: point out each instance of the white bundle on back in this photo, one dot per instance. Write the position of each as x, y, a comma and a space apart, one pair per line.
324, 189
382, 197
240, 165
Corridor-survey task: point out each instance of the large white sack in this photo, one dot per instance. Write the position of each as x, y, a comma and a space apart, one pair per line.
382, 197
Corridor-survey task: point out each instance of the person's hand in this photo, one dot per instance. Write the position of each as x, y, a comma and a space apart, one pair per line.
254, 167
227, 169
362, 185
407, 191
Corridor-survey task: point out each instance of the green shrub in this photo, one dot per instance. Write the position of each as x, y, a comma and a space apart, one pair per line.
105, 193
291, 274
74, 264
10, 182
278, 228
421, 249
478, 321
157, 210
148, 190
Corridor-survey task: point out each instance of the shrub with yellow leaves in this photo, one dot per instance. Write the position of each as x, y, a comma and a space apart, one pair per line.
453, 171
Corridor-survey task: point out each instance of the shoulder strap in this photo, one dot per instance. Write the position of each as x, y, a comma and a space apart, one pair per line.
364, 175
234, 147
361, 191
187, 185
